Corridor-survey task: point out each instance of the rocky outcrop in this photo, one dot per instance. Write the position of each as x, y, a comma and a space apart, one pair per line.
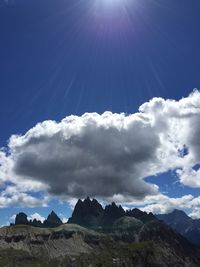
141, 215
90, 213
52, 220
87, 213
112, 213
21, 218
45, 242
36, 223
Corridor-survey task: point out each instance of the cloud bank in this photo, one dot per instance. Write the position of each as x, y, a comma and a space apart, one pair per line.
107, 155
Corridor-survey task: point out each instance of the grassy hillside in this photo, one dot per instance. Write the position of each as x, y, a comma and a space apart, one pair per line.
69, 245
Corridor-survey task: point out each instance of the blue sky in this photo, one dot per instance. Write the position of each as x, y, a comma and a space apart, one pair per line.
59, 58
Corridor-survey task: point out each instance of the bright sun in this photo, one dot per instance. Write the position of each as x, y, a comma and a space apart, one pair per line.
111, 2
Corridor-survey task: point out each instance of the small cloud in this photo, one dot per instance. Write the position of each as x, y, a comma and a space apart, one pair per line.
12, 218
195, 214
36, 216
72, 202
63, 218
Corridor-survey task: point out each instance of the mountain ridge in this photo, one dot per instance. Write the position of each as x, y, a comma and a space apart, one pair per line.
52, 220
113, 237
183, 224
90, 213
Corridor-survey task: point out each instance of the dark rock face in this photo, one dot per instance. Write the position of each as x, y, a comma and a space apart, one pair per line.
141, 215
112, 213
183, 224
52, 220
21, 218
89, 213
36, 223
177, 218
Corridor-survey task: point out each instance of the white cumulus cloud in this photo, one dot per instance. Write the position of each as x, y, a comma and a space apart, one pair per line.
106, 156
36, 216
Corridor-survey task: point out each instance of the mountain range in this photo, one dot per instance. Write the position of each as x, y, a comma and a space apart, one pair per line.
96, 236
90, 213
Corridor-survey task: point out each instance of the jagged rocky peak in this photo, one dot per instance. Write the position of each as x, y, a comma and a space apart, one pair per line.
90, 213
21, 218
87, 213
36, 223
140, 215
52, 220
111, 213
93, 204
87, 206
114, 210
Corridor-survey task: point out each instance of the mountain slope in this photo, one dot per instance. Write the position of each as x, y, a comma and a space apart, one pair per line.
153, 244
183, 224
113, 237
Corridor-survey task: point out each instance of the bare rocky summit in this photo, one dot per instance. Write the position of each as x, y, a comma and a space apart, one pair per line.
90, 213
52, 220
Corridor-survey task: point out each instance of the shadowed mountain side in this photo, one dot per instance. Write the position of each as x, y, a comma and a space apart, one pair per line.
183, 224
52, 220
87, 213
21, 218
90, 213
141, 215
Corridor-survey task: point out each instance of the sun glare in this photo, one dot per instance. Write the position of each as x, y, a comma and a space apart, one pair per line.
112, 2
111, 5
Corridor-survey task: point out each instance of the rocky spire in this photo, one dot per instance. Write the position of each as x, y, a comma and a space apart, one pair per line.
111, 213
52, 220
87, 213
21, 218
141, 215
